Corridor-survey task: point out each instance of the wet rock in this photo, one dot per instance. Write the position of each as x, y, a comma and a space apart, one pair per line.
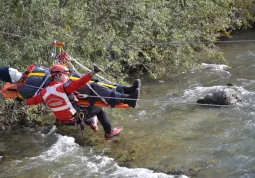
3, 156
47, 129
2, 127
225, 96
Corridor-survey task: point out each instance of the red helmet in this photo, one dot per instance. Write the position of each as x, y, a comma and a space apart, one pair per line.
59, 69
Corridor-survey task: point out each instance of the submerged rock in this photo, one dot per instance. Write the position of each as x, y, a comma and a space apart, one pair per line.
225, 96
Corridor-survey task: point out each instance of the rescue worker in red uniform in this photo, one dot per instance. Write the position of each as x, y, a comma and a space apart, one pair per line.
59, 97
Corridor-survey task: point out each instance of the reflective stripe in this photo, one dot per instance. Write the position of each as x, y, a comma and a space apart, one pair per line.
40, 74
60, 108
20, 96
53, 90
107, 85
101, 83
74, 78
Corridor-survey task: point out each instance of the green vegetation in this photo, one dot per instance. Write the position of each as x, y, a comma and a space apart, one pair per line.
108, 32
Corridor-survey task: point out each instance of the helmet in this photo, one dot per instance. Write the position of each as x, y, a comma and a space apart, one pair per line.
59, 69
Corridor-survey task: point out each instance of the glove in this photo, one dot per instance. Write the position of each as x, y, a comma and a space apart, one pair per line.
97, 69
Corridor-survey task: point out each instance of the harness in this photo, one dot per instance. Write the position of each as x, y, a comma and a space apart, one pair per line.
78, 118
25, 74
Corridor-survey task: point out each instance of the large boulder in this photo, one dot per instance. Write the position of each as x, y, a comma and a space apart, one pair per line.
225, 96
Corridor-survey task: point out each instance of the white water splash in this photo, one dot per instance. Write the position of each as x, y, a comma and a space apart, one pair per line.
215, 66
193, 94
63, 147
65, 158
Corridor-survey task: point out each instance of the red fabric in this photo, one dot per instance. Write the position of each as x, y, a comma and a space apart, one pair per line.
72, 120
37, 99
59, 69
77, 84
73, 86
25, 74
56, 98
31, 68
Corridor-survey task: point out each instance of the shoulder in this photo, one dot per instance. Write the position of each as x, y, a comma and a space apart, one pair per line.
61, 87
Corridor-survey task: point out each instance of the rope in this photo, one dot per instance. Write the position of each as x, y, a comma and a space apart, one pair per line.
160, 43
77, 72
164, 102
20, 36
131, 44
136, 43
171, 102
85, 68
42, 84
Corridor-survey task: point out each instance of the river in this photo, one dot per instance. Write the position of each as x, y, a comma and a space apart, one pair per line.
167, 131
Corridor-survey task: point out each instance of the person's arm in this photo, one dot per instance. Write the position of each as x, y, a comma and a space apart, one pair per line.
37, 99
72, 86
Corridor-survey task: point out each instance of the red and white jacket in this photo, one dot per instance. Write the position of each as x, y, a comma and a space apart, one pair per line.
55, 96
58, 101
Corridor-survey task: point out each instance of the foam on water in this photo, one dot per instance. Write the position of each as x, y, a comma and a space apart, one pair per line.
65, 158
215, 66
92, 165
63, 147
212, 67
52, 130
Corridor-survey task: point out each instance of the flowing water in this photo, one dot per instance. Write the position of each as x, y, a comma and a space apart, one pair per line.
168, 130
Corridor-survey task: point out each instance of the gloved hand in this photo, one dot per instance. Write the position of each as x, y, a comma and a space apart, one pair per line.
97, 69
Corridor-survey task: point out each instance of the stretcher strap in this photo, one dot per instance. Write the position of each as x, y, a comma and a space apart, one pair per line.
92, 99
113, 100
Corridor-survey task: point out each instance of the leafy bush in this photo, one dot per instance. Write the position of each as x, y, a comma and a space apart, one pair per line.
126, 37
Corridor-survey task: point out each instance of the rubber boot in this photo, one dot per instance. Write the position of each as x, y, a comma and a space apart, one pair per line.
131, 99
131, 89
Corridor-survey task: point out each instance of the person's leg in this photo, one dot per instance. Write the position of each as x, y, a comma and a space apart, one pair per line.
130, 89
4, 74
132, 99
102, 91
101, 116
15, 75
104, 120
110, 95
116, 97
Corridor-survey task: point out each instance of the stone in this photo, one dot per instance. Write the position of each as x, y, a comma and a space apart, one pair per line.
225, 96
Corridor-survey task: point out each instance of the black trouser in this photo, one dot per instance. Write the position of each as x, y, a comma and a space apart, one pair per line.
103, 92
92, 111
